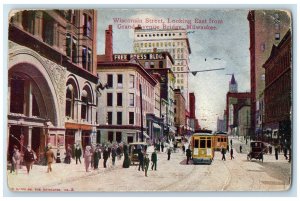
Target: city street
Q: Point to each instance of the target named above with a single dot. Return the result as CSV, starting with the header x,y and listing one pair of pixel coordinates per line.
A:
x,y
174,175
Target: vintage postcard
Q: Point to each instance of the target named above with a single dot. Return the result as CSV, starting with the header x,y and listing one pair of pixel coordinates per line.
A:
x,y
151,100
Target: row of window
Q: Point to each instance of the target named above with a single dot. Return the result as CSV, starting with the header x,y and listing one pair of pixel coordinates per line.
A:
x,y
109,118
109,99
73,17
162,44
159,35
110,81
151,64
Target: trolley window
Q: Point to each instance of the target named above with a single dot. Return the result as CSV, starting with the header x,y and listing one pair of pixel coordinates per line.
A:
x,y
196,145
202,143
208,143
221,139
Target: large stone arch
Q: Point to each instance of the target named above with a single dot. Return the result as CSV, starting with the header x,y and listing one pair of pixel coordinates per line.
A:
x,y
42,72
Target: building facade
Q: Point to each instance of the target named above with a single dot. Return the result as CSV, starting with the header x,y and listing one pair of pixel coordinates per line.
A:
x,y
51,78
175,42
267,27
180,118
278,90
244,121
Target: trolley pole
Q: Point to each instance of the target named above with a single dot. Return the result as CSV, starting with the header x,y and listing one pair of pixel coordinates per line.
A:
x,y
141,102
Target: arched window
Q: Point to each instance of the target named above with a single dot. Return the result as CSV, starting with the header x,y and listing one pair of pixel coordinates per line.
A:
x,y
70,101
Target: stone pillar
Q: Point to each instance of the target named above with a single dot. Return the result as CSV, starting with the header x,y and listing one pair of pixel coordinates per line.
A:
x,y
29,136
28,98
16,19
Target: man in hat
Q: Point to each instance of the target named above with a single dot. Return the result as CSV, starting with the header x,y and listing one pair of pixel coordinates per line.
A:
x,y
50,158
28,158
78,153
146,164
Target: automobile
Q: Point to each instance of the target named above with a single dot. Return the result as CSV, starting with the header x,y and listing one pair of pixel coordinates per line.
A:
x,y
134,149
257,150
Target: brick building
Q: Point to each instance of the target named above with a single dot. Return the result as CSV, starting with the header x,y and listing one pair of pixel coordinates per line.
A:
x,y
278,90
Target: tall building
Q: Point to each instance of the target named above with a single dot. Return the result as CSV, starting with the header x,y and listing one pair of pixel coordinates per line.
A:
x,y
51,79
175,42
278,91
267,27
180,118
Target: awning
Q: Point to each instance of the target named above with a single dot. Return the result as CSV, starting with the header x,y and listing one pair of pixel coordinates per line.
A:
x,y
145,134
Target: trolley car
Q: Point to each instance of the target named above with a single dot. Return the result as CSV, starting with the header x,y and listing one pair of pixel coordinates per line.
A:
x,y
220,140
202,147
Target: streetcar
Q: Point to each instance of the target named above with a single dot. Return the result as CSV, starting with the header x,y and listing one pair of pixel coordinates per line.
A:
x,y
202,147
220,140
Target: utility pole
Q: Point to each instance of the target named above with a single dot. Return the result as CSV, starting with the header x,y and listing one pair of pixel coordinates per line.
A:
x,y
141,102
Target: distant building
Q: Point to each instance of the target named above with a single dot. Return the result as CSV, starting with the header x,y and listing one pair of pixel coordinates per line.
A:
x,y
221,125
180,118
244,120
278,90
267,27
175,42
233,86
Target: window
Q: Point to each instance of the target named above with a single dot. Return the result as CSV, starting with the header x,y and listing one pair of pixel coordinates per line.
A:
x,y
48,30
84,108
110,136
68,45
196,143
87,26
151,64
119,118
131,81
110,80
147,64
109,99
109,118
131,99
131,118
277,26
89,60
277,36
202,143
208,145
69,103
74,50
118,137
119,99
84,57
120,81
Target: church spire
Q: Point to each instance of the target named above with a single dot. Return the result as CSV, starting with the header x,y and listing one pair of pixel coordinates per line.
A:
x,y
233,86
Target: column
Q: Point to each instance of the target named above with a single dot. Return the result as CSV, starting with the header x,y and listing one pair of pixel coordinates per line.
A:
x,y
29,136
38,24
28,98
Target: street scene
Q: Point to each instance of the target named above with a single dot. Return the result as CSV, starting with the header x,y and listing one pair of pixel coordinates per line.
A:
x,y
125,100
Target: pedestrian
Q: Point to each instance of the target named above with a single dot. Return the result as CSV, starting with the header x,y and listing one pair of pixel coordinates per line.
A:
x,y
119,152
285,152
96,157
50,158
12,168
188,155
276,152
146,161
241,148
113,156
28,158
154,160
92,154
16,158
270,149
183,148
231,142
228,147
141,159
78,153
87,157
231,153
223,151
68,154
169,153
105,156
162,147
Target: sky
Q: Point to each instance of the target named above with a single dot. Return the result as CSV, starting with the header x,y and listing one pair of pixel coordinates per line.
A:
x,y
228,41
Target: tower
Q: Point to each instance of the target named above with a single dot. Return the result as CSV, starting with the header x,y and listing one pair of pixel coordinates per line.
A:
x,y
233,86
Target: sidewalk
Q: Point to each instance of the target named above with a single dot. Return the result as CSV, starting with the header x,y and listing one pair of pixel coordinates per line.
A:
x,y
39,180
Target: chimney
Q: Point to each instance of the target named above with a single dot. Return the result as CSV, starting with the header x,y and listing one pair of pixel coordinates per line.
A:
x,y
109,44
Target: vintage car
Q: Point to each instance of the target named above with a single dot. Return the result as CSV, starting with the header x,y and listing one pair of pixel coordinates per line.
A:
x,y
257,149
134,149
